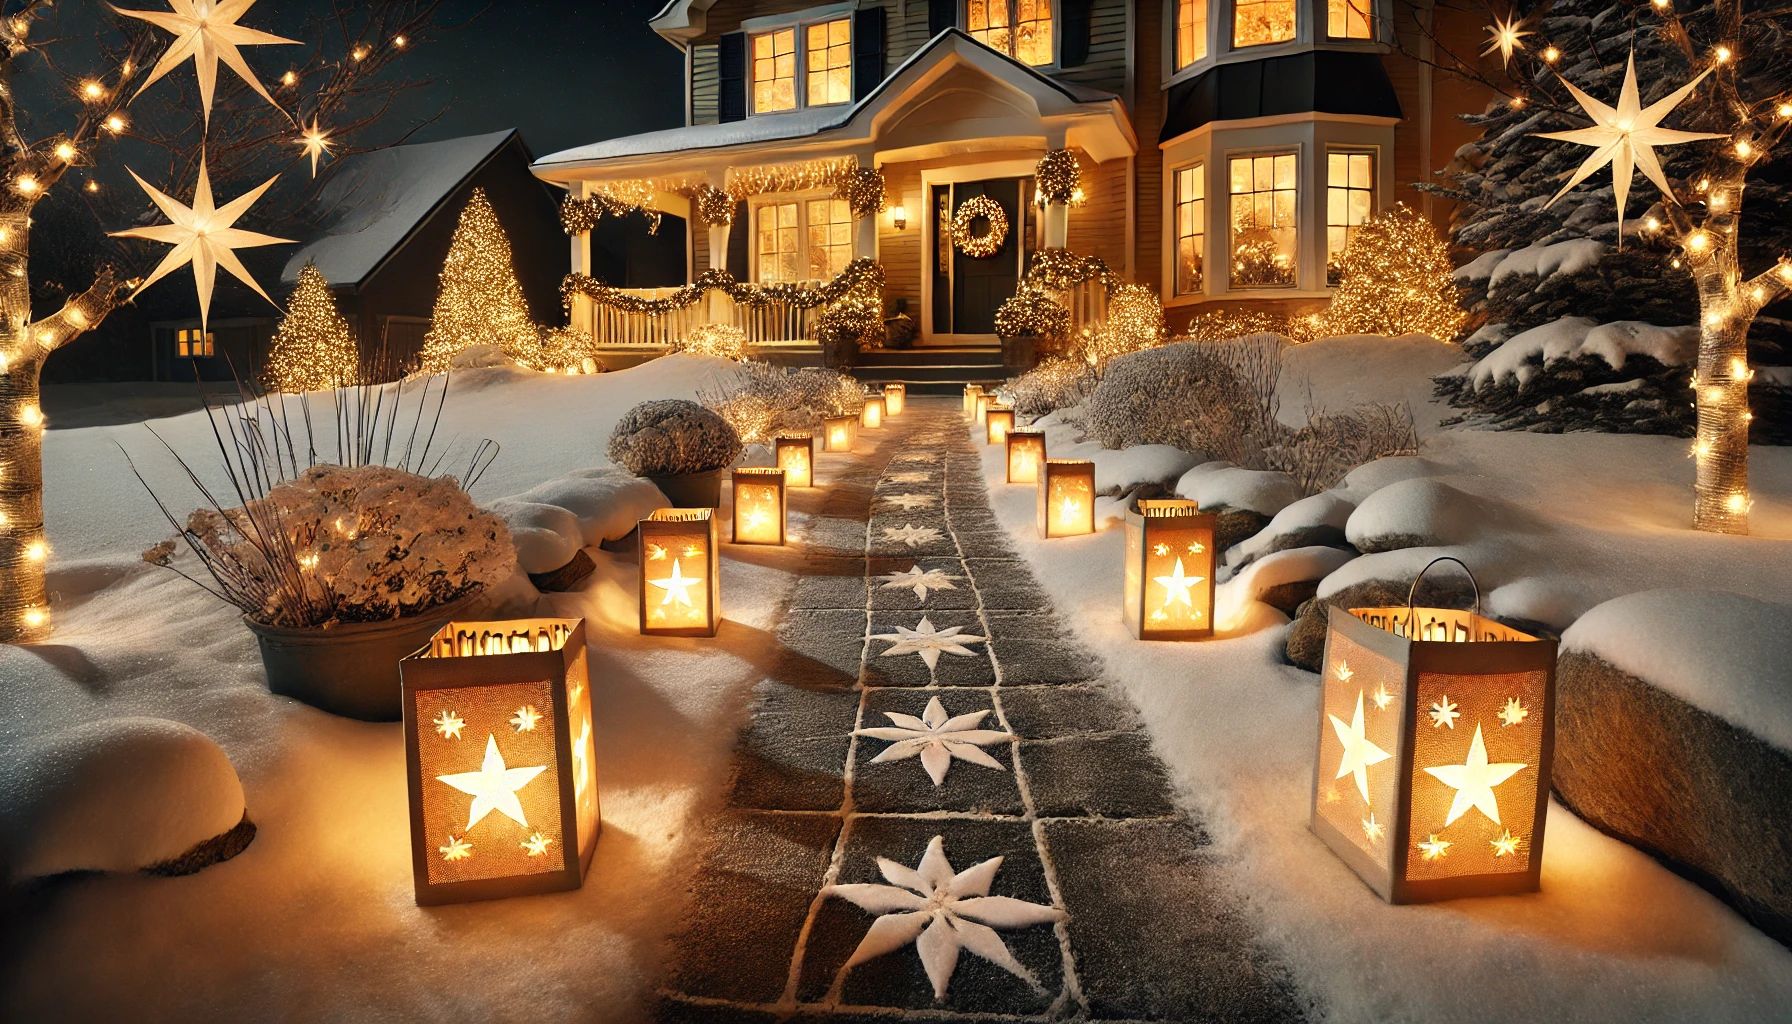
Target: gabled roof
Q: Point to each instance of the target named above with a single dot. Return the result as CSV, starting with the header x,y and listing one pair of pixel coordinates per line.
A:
x,y
377,200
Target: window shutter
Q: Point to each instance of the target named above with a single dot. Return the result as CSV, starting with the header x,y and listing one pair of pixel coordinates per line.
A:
x,y
731,103
738,236
867,51
941,15
1073,35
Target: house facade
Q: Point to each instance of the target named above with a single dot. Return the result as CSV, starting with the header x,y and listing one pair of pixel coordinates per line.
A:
x,y
1228,147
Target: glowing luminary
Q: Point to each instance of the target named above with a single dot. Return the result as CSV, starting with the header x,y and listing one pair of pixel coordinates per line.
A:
x,y
1026,453
1169,570
681,587
984,401
839,433
758,505
499,759
1436,734
872,416
1066,498
796,457
998,420
895,397
971,391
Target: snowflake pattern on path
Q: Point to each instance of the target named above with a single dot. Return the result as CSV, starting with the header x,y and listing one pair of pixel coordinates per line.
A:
x,y
910,502
912,535
913,477
928,642
941,913
922,580
937,738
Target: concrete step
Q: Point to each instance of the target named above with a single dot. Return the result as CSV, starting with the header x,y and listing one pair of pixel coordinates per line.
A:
x,y
978,356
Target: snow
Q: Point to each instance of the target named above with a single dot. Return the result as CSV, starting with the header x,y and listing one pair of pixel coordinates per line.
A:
x,y
1324,509
546,536
1573,336
1547,260
1294,565
1338,374
1481,267
607,502
1223,485
1722,653
1424,508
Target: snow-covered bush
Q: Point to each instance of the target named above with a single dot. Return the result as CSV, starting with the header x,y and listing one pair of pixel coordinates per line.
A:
x,y
724,341
1395,277
1319,454
1053,384
672,437
760,400
1181,395
1030,313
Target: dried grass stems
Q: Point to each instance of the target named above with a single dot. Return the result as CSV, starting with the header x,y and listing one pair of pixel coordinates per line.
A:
x,y
761,401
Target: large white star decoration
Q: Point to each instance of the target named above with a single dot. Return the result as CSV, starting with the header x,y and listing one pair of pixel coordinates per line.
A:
x,y
493,787
203,236
1624,137
910,502
928,642
316,143
677,586
1176,586
937,738
1504,37
1359,753
922,580
911,535
207,31
941,913
1473,780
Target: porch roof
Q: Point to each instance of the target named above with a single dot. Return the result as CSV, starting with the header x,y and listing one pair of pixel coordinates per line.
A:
x,y
1027,108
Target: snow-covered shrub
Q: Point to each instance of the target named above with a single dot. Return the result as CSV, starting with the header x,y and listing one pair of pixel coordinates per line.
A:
x,y
760,400
1332,444
1053,384
672,437
1181,395
724,341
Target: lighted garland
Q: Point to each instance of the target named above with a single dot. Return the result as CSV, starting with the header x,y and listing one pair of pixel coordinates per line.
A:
x,y
806,176
581,215
989,243
861,275
1060,269
714,206
1059,177
1031,314
863,190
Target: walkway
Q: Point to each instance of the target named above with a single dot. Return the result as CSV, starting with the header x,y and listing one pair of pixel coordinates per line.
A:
x,y
1102,905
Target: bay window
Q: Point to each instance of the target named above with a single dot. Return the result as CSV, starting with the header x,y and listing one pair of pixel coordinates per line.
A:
x,y
1349,19
1264,230
1259,22
1021,29
1349,201
1191,228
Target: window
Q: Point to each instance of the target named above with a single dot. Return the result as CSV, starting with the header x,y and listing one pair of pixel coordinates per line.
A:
x,y
777,248
193,344
1020,28
1256,22
774,71
1191,228
1349,19
1263,226
799,240
1191,32
1349,200
830,237
827,61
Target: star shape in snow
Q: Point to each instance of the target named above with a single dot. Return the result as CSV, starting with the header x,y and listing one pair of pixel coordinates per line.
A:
x,y
1625,137
536,845
457,849
449,725
1176,586
1444,713
937,738
525,718
1381,696
1506,845
910,502
909,478
912,535
1513,713
928,642
677,586
493,787
1434,847
1359,753
316,143
922,580
207,31
1504,36
941,913
202,235
1473,780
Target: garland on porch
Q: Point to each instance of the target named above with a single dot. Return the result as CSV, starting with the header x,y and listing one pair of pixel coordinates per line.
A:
x,y
864,191
1059,177
861,276
806,176
1061,269
989,243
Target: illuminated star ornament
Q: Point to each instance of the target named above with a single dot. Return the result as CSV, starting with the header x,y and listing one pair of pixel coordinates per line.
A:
x,y
677,586
525,718
1176,586
316,143
1504,37
1625,137
937,738
1359,753
1513,713
1473,780
928,642
493,787
207,31
1444,713
203,236
1434,847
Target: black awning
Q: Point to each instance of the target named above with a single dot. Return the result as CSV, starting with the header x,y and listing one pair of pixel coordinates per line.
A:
x,y
1325,81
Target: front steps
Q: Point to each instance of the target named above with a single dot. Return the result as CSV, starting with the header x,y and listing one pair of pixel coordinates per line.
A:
x,y
933,370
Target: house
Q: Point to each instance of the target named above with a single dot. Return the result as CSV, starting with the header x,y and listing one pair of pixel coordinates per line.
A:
x,y
1227,147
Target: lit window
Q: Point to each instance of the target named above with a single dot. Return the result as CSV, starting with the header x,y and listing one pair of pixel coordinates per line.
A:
x,y
828,62
774,71
830,237
1349,200
1348,19
778,241
193,344
1191,228
1020,28
1263,227
1256,22
1191,32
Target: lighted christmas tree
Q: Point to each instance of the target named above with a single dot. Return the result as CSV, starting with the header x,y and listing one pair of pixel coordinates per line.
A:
x,y
480,302
314,350
1397,279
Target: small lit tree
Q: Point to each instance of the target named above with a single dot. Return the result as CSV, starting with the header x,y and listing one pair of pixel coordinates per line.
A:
x,y
480,301
1397,279
313,349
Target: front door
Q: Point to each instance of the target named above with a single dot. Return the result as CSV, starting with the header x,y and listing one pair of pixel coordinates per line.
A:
x,y
967,290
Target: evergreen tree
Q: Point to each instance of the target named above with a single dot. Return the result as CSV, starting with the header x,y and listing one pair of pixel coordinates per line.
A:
x,y
480,302
313,350
1396,279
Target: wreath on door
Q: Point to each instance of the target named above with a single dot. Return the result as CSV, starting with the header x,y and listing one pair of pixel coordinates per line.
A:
x,y
988,243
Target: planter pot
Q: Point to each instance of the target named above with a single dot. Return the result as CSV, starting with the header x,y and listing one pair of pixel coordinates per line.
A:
x,y
349,670
692,490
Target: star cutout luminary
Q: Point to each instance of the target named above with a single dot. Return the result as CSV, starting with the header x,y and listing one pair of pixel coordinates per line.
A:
x,y
207,31
1176,586
494,786
937,738
1473,780
928,642
677,586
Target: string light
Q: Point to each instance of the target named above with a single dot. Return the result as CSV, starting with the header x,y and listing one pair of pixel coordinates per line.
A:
x,y
400,42
1723,54
1785,110
360,53
480,301
1698,241
26,184
1743,149
92,91
1551,55
115,123
65,152
37,551
1397,278
289,79
92,185
1652,224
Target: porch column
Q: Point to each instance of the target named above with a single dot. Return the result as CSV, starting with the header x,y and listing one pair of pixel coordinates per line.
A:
x,y
718,233
583,315
864,244
1056,215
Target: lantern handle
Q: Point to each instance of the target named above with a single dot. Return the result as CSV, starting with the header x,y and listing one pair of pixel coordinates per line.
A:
x,y
1412,592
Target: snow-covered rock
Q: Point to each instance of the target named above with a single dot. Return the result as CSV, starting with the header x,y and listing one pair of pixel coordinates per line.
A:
x,y
1413,513
1481,267
1283,580
1571,337
117,794
1221,484
1122,470
1315,520
546,536
607,501
1370,477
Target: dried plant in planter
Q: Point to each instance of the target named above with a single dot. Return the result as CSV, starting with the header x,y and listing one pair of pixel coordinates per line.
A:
x,y
761,401
1053,384
672,437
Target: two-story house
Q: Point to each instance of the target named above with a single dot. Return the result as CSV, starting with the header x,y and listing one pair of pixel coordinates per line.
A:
x,y
1228,147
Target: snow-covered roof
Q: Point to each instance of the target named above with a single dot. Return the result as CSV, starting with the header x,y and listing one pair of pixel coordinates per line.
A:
x,y
376,200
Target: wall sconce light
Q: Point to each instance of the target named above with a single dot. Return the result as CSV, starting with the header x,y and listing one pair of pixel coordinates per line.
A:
x,y
899,217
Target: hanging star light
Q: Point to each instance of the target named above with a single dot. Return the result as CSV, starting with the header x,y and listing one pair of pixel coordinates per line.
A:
x,y
315,142
208,32
203,236
1625,137
1504,36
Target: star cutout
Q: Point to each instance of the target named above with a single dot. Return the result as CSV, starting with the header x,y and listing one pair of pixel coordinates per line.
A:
x,y
525,718
457,849
1359,753
922,580
1624,137
1381,697
207,31
1513,713
937,738
493,787
1504,37
1176,586
449,725
1343,671
656,552
536,845
1373,829
911,535
941,913
1473,780
910,502
316,143
677,586
928,642
1506,845
1444,713
1434,847
203,236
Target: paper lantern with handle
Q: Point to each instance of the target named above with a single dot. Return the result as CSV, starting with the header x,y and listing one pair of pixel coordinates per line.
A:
x,y
872,416
1026,453
839,433
971,391
796,457
895,398
1169,570
997,422
681,584
758,505
1066,498
1436,734
499,758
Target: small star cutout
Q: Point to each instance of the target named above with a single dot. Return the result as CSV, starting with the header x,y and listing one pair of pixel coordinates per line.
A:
x,y
1506,845
1444,713
525,718
1381,697
921,580
1513,713
1434,847
1373,829
536,845
911,535
1161,549
449,725
457,849
1343,671
928,641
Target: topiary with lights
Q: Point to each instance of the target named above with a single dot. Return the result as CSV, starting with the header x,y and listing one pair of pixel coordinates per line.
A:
x,y
1397,279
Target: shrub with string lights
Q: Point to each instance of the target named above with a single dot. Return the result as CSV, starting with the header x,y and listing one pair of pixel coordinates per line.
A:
x,y
480,301
1397,279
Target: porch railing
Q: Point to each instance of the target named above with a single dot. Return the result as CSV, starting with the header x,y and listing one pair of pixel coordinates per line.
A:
x,y
1087,302
770,323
